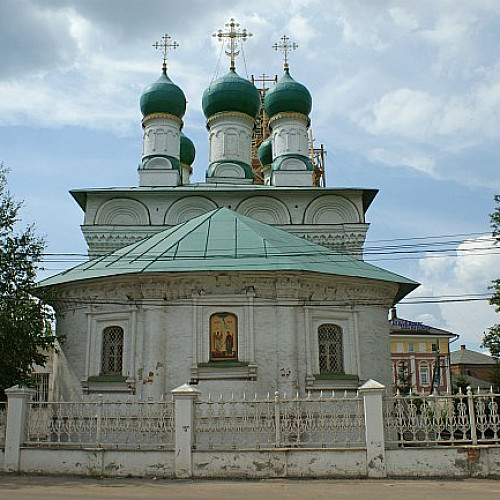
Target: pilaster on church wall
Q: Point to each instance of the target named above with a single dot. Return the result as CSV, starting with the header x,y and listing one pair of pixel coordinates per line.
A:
x,y
374,344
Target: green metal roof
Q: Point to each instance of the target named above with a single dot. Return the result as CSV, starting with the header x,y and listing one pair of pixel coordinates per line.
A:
x,y
223,240
187,150
163,96
231,92
288,96
265,152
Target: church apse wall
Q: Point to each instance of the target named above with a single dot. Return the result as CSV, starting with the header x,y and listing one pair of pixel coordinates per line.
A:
x,y
223,332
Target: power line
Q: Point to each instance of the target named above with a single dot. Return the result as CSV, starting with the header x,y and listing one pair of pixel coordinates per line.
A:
x,y
174,301
368,246
324,261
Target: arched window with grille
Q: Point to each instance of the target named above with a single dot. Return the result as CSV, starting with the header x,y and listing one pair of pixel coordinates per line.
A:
x,y
331,351
112,350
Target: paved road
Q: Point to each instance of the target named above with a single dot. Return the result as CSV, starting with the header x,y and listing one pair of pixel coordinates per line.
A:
x,y
55,488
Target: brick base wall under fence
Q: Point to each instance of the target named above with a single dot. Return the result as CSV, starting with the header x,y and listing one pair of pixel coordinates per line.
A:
x,y
452,462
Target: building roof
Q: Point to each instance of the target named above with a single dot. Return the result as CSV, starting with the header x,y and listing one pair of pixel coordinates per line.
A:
x,y
223,240
474,382
400,326
231,93
288,96
467,357
163,96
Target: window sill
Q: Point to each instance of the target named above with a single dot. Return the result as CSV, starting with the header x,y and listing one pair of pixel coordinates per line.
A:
x,y
332,381
223,370
108,384
108,378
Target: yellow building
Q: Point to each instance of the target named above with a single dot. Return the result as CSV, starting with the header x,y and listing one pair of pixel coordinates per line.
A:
x,y
420,356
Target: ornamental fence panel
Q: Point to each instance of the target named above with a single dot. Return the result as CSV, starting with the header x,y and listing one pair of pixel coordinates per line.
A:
x,y
320,421
3,422
442,419
103,424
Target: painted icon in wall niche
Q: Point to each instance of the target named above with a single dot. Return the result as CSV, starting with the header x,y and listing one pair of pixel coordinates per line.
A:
x,y
223,337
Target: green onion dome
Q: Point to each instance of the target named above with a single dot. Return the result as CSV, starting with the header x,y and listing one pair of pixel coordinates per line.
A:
x,y
231,92
187,152
163,96
265,152
288,96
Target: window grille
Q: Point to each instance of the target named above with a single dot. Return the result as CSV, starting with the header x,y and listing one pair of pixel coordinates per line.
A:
x,y
112,350
41,387
331,355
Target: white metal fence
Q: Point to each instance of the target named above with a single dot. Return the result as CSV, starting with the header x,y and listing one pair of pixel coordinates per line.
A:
x,y
322,420
443,419
134,424
3,422
314,421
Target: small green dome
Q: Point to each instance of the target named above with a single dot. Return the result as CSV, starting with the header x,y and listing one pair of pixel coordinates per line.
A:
x,y
187,152
288,96
163,96
265,152
231,93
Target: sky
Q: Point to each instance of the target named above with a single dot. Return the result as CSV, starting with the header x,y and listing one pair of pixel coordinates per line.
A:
x,y
406,100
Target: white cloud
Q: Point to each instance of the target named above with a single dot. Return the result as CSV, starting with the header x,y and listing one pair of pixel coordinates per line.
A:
x,y
418,161
469,272
300,28
404,112
360,34
403,18
422,116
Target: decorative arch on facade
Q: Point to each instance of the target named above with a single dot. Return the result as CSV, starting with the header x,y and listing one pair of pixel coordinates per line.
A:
x,y
265,209
330,348
122,212
112,350
229,170
292,164
158,163
187,208
332,209
223,337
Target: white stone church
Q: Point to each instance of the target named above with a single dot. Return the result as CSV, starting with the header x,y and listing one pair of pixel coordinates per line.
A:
x,y
252,281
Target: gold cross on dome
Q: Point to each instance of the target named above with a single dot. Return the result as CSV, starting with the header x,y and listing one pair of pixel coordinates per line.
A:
x,y
286,46
165,44
232,33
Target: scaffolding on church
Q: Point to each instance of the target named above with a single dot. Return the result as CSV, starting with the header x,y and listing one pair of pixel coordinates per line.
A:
x,y
261,132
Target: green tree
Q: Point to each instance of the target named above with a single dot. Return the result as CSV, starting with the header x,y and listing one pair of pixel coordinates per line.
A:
x,y
461,383
403,378
25,322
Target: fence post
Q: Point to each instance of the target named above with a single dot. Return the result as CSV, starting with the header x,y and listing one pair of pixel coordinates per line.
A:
x,y
277,419
98,417
184,399
472,415
372,392
17,413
